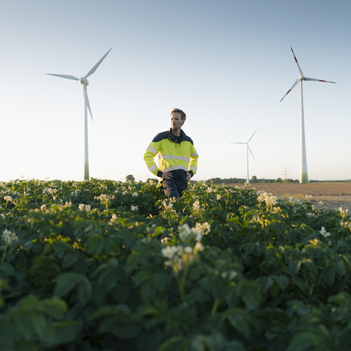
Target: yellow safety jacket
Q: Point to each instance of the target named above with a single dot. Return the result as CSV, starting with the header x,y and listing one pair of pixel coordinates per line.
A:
x,y
174,153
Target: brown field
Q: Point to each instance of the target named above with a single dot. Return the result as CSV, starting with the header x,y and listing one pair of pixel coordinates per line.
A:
x,y
333,195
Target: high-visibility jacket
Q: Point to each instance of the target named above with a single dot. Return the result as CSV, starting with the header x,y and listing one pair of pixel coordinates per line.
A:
x,y
174,153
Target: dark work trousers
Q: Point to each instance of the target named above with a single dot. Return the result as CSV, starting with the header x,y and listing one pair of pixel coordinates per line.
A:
x,y
175,186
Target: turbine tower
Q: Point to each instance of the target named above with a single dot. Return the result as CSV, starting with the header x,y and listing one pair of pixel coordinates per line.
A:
x,y
303,165
247,155
84,81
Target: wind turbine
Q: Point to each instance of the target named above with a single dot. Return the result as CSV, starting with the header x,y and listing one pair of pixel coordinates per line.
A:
x,y
84,81
247,155
303,165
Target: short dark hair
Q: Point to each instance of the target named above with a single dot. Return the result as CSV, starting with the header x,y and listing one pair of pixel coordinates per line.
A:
x,y
182,113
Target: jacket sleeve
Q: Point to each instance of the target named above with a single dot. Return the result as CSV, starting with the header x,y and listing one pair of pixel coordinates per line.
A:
x,y
193,159
149,155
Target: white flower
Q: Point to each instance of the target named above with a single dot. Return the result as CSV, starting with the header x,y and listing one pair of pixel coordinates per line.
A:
x,y
308,196
196,233
199,247
43,207
9,237
324,232
209,190
165,240
230,275
134,208
203,228
196,205
135,194
7,198
168,206
124,192
219,197
269,199
81,207
188,249
69,204
184,231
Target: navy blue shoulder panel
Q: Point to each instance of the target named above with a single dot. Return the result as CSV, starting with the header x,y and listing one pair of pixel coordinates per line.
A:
x,y
186,138
164,135
161,136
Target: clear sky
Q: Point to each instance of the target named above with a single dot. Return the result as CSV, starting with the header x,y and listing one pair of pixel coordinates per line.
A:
x,y
225,63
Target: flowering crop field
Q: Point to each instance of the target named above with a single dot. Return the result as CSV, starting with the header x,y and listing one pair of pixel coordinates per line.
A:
x,y
104,265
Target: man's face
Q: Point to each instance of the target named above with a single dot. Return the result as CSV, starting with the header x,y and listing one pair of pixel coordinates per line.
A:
x,y
176,121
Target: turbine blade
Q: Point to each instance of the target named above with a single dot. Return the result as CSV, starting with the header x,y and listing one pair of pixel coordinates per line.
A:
x,y
298,66
87,100
318,80
250,151
252,135
97,65
63,76
297,80
233,142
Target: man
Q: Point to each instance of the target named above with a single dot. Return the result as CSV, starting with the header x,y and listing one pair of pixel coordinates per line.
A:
x,y
177,157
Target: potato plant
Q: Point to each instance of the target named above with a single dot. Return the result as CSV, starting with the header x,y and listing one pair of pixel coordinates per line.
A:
x,y
104,265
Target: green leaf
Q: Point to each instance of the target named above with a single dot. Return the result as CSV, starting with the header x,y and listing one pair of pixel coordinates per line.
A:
x,y
340,267
110,311
28,245
329,275
126,332
282,281
300,283
95,244
311,265
66,331
294,266
66,282
4,285
55,307
303,341
70,259
23,345
238,320
7,269
148,341
60,246
266,283
148,292
167,345
343,299
274,290
249,292
84,291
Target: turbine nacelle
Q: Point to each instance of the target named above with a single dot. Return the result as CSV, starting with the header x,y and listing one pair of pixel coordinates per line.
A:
x,y
83,81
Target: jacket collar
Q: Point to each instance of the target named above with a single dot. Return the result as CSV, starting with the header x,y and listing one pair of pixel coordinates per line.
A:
x,y
175,139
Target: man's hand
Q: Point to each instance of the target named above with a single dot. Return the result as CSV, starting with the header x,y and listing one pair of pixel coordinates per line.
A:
x,y
188,176
167,175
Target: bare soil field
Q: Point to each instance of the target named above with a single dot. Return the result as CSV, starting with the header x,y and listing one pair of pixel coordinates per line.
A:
x,y
333,195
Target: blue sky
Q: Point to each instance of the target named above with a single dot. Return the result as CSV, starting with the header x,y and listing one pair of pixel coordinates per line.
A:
x,y
227,64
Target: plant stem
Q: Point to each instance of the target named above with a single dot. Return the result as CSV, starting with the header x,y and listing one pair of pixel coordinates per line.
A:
x,y
215,306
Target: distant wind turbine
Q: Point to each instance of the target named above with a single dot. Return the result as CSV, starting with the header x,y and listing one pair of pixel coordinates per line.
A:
x,y
303,166
247,155
84,81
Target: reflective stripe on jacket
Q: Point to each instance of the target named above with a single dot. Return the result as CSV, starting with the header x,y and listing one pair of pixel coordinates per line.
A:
x,y
173,153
